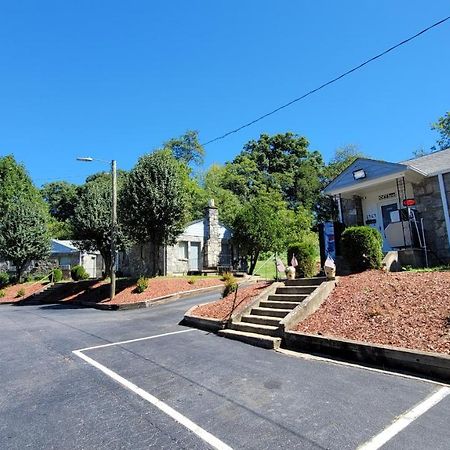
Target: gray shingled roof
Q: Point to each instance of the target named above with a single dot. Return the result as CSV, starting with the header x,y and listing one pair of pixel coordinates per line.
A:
x,y
431,164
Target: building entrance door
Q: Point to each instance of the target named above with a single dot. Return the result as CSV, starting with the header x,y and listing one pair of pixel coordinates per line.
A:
x,y
195,257
387,217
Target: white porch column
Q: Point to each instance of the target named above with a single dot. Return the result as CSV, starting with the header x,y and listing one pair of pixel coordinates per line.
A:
x,y
444,205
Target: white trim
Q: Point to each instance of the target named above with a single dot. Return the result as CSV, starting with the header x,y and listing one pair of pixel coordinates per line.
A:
x,y
444,205
405,419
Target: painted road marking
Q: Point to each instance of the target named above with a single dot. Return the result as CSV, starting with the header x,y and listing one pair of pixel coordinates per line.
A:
x,y
405,419
183,420
133,340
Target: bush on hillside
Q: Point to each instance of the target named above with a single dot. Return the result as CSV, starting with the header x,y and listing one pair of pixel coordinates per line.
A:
x,y
57,275
2,293
230,286
79,273
362,247
141,285
306,252
4,279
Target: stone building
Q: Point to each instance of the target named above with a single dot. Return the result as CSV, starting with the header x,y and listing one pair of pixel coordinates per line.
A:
x,y
408,202
204,245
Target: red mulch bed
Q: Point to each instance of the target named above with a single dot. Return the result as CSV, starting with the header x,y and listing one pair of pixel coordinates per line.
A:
x,y
98,291
221,309
11,291
409,310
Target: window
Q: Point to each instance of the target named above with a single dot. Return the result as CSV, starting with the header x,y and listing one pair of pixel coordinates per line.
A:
x,y
183,250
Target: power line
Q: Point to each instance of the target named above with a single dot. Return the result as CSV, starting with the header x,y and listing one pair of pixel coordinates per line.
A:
x,y
405,41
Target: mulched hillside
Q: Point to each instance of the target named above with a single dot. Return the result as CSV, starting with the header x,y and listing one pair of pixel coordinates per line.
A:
x,y
408,309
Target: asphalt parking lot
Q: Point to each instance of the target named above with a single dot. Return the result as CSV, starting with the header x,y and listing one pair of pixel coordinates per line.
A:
x,y
171,387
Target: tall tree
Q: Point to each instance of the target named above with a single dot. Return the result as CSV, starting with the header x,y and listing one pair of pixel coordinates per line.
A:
x,y
282,162
91,220
186,148
154,200
23,216
442,126
260,226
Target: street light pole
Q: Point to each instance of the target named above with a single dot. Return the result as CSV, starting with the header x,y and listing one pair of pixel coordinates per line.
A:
x,y
113,229
112,292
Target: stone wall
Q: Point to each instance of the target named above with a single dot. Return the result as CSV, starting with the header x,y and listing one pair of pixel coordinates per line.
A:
x,y
139,261
213,243
429,205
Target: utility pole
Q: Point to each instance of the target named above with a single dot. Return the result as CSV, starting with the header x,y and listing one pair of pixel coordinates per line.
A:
x,y
113,229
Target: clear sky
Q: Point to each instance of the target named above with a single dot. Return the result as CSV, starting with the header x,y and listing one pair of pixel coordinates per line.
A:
x,y
114,79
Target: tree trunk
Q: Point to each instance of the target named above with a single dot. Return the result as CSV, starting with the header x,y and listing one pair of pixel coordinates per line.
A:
x,y
253,261
107,260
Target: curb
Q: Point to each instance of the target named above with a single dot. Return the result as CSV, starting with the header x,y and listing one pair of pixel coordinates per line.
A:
x,y
429,365
149,303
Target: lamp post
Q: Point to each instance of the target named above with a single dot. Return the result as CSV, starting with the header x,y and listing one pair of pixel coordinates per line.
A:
x,y
113,163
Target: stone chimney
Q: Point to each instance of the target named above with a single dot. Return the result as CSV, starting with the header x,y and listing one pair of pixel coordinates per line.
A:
x,y
213,244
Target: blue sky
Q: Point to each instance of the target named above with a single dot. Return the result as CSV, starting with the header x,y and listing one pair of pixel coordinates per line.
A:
x,y
114,79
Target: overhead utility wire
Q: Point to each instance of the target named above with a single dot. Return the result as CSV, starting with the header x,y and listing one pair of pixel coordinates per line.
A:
x,y
328,82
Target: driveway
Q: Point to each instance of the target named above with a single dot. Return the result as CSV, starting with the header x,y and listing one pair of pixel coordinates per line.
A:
x,y
142,381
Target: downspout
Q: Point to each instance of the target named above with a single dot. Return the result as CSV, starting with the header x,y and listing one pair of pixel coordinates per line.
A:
x,y
339,203
444,205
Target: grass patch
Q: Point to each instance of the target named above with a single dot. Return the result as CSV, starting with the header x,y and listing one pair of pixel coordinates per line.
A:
x,y
445,268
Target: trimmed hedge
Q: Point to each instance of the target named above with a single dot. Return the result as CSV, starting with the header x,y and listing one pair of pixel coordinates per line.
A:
x,y
306,253
79,273
362,247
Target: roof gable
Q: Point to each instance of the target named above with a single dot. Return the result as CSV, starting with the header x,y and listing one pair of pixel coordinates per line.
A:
x,y
431,164
373,168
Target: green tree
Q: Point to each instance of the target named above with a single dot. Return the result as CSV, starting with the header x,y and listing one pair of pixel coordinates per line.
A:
x,y
23,234
15,184
154,200
91,220
260,226
283,163
186,148
442,126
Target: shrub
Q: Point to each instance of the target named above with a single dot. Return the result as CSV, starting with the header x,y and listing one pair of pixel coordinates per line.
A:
x,y
2,293
230,286
306,253
192,280
362,247
20,293
227,276
79,273
57,275
4,279
141,285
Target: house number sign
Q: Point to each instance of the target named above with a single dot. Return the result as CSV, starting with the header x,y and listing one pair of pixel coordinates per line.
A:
x,y
386,196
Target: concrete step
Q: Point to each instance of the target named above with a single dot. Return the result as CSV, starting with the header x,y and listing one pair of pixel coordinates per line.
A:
x,y
305,281
252,338
279,305
272,312
295,290
262,320
287,297
268,330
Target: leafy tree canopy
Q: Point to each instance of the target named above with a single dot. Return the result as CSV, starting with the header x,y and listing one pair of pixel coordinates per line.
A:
x,y
260,226
61,198
282,162
186,148
23,234
442,126
154,199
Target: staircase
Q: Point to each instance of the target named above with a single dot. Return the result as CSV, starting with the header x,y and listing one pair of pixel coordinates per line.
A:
x,y
36,298
261,327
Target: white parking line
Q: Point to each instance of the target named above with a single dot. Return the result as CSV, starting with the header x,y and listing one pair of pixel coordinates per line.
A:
x,y
133,340
183,420
405,419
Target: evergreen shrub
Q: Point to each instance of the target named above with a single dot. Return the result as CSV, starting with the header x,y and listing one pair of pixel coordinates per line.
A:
x,y
306,252
362,247
79,273
4,279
